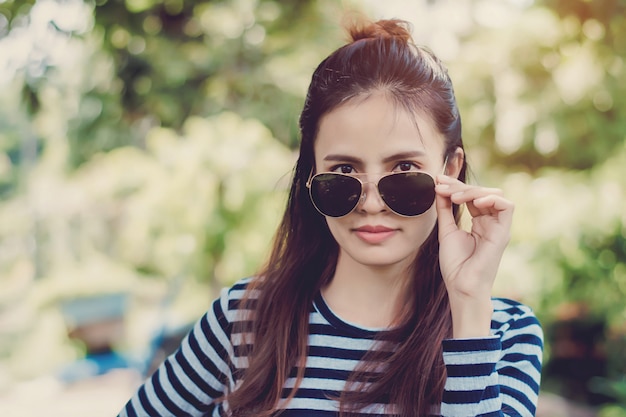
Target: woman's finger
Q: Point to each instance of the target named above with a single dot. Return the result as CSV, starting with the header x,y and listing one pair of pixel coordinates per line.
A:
x,y
445,217
479,200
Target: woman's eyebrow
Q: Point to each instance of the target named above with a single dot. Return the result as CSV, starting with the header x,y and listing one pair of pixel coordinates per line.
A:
x,y
404,155
394,157
342,158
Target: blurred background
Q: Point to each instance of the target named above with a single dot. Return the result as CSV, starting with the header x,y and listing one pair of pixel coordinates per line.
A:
x,y
146,146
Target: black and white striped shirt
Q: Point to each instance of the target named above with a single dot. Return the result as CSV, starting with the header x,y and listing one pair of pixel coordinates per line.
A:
x,y
493,376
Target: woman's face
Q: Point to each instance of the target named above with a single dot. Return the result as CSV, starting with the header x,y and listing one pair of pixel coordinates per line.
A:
x,y
375,136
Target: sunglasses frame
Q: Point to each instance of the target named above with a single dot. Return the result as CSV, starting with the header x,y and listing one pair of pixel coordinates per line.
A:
x,y
363,194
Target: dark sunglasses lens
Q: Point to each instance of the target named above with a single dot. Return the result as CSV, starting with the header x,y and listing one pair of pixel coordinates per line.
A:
x,y
408,193
335,195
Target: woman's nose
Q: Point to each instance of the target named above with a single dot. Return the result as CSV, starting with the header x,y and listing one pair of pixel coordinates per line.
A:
x,y
371,201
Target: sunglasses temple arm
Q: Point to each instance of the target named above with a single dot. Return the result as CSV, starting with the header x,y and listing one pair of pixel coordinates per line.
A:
x,y
308,181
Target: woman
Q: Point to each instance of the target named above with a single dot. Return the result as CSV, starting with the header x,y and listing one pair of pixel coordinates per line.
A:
x,y
373,301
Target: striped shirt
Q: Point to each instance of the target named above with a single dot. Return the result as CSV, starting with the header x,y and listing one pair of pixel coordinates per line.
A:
x,y
493,376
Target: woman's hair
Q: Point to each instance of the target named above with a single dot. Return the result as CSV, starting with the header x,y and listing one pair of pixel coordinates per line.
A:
x,y
380,57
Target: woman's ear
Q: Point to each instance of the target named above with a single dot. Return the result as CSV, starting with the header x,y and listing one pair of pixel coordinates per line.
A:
x,y
454,163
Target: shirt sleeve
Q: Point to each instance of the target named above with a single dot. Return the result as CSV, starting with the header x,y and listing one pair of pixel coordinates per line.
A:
x,y
498,375
192,378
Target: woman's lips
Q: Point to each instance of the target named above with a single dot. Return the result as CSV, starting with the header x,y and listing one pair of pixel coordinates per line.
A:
x,y
374,234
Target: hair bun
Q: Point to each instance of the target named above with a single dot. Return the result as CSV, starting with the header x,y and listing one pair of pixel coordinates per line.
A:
x,y
393,28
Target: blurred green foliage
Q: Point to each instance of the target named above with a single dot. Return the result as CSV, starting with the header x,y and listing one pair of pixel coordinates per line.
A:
x,y
142,141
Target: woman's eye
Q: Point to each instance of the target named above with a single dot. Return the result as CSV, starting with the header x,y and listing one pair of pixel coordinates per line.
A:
x,y
406,166
343,169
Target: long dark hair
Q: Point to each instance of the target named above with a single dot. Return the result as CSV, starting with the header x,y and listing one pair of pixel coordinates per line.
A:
x,y
380,57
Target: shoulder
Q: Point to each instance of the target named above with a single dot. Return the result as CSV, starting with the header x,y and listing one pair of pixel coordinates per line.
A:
x,y
225,310
230,298
512,319
237,290
235,302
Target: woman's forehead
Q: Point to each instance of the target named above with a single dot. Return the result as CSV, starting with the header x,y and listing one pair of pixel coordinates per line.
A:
x,y
376,123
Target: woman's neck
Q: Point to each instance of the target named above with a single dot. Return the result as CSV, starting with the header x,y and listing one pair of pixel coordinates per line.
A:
x,y
368,296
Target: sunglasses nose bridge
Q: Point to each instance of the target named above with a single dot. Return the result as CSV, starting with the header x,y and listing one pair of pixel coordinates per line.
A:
x,y
369,191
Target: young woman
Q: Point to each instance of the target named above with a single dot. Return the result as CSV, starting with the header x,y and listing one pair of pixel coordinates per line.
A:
x,y
373,301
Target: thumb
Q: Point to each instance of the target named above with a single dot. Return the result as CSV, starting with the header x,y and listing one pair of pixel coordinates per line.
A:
x,y
445,216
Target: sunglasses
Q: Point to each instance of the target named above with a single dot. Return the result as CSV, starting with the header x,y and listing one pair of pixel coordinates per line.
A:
x,y
407,193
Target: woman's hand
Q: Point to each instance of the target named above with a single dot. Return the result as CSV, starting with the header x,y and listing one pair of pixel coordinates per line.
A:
x,y
469,260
